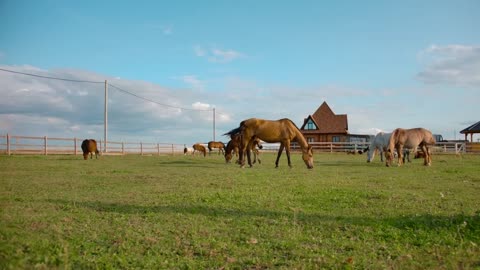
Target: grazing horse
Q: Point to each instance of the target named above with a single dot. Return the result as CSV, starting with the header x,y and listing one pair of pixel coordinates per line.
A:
x,y
283,131
89,147
409,138
379,143
234,144
199,147
219,145
187,150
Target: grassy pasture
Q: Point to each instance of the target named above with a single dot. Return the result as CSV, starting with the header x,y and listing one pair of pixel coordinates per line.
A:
x,y
185,212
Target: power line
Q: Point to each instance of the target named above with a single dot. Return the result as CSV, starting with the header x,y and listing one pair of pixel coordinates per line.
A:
x,y
48,77
118,88
161,104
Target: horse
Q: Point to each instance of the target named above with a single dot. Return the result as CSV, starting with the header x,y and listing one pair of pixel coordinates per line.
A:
x,y
89,146
379,143
219,145
187,150
283,131
409,138
234,144
199,147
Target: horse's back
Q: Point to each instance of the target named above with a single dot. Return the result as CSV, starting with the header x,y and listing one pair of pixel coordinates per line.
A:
x,y
269,130
89,145
413,137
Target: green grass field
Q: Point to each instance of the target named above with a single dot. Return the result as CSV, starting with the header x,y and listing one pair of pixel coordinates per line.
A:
x,y
186,212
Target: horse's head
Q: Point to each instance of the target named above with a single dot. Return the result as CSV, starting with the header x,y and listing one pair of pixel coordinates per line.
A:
x,y
389,157
228,157
307,156
370,153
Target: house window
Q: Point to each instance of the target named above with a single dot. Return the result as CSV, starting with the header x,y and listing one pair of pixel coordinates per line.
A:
x,y
310,125
336,139
310,140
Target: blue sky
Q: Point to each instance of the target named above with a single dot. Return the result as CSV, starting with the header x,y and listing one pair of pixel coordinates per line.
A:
x,y
386,64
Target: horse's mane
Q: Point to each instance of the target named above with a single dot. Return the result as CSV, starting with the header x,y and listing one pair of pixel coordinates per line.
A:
x,y
290,122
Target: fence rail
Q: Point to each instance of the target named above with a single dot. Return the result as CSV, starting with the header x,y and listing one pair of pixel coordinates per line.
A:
x,y
13,144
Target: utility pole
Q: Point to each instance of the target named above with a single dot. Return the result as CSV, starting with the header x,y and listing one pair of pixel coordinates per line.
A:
x,y
214,124
105,119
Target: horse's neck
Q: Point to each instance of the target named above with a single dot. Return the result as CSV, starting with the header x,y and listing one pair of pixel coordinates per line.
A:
x,y
300,139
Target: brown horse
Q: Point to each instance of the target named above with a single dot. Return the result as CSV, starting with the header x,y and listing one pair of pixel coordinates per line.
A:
x,y
409,138
283,131
234,144
219,145
89,147
199,147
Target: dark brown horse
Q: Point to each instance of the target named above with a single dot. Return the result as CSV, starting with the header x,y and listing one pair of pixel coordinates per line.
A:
x,y
219,145
233,146
283,131
199,147
409,138
89,147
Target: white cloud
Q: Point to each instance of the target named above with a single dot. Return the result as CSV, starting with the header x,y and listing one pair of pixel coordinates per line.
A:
x,y
224,56
216,55
193,82
199,51
451,65
200,106
37,106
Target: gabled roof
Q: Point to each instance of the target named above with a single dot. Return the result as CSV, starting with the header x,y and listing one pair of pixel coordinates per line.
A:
x,y
475,128
327,121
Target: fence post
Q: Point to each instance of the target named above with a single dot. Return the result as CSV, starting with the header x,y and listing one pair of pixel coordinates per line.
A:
x,y
173,151
75,145
141,149
123,148
8,144
331,147
45,151
158,149
100,143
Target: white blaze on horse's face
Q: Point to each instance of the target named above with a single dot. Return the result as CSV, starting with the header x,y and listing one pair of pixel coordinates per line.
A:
x,y
388,157
308,157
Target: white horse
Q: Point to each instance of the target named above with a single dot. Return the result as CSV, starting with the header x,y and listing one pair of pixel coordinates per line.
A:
x,y
380,143
187,150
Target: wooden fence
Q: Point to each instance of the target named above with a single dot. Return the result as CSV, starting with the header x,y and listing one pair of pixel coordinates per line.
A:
x,y
72,146
10,144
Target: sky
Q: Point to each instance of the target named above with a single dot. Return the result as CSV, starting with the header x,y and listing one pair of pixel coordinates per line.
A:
x,y
168,64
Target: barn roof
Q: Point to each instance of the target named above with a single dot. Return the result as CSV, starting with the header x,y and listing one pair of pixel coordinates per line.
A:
x,y
475,128
329,122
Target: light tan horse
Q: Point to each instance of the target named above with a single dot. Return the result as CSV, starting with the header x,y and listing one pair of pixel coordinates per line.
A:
x,y
409,138
219,145
283,131
233,146
199,147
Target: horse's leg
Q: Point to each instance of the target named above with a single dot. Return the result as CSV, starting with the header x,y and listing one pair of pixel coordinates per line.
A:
x,y
287,149
400,155
280,150
241,152
258,157
426,158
